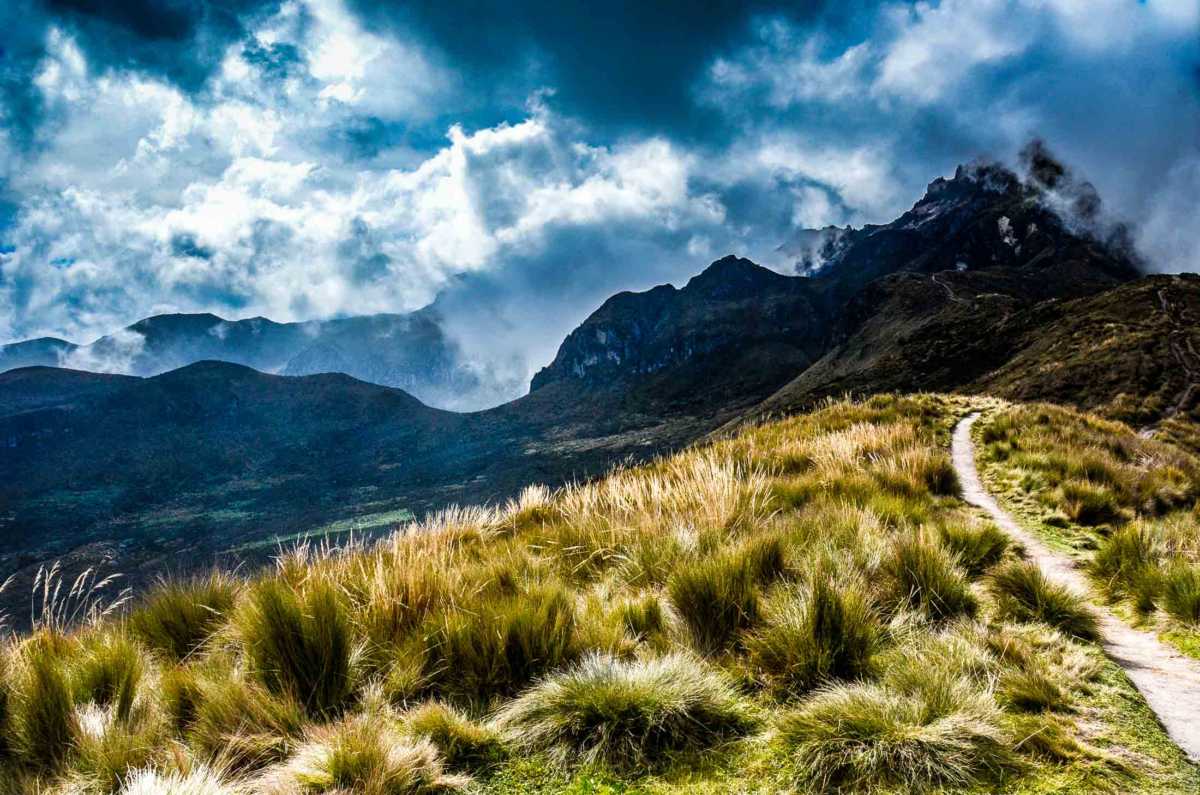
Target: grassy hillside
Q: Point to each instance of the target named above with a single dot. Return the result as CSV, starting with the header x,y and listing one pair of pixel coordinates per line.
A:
x,y
1124,505
806,606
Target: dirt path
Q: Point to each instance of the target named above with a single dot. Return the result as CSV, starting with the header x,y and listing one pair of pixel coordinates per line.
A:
x,y
1169,681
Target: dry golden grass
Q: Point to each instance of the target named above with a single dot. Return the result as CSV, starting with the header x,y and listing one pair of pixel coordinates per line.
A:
x,y
795,569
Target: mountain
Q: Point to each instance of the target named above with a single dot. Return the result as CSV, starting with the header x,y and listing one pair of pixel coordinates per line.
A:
x,y
409,351
984,285
731,335
44,351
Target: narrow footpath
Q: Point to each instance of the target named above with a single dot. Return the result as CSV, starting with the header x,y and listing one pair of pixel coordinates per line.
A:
x,y
1169,681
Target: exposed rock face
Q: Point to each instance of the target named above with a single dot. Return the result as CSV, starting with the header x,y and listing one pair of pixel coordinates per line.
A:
x,y
984,228
732,303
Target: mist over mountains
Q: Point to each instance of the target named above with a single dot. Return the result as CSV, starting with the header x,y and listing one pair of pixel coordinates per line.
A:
x,y
985,284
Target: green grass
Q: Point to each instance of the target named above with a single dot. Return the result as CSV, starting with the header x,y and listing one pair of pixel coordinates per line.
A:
x,y
298,642
176,617
923,575
629,715
803,605
1023,593
818,631
1124,505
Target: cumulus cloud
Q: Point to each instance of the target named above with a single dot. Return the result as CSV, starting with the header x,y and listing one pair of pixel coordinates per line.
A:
x,y
310,158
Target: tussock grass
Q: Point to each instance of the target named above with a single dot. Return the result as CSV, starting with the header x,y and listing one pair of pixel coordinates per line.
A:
x,y
627,714
817,631
1181,592
239,723
978,546
863,737
923,575
107,672
629,632
465,745
176,617
41,724
477,657
1024,594
199,780
365,754
299,642
717,598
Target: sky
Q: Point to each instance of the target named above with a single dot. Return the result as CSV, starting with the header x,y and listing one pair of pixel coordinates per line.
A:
x,y
519,162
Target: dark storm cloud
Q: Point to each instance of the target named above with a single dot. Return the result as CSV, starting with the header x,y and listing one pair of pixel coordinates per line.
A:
x,y
625,66
181,40
307,158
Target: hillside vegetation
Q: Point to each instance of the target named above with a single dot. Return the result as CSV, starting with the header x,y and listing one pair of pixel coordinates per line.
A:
x,y
1126,505
805,606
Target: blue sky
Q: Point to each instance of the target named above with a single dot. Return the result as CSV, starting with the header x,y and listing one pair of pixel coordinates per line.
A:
x,y
310,158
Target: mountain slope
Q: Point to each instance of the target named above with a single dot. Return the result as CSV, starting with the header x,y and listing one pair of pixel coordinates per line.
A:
x,y
409,351
215,457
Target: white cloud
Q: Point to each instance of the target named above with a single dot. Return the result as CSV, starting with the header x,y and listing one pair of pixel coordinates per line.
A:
x,y
1169,235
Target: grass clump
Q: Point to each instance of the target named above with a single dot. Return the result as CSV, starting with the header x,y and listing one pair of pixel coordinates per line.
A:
x,y
176,617
1023,593
465,744
299,641
1181,593
240,723
814,632
42,727
627,714
364,754
477,657
923,575
978,547
867,736
108,673
718,597
197,780
1088,503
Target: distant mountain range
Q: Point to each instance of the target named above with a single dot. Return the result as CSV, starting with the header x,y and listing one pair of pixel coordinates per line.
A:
x,y
408,351
987,284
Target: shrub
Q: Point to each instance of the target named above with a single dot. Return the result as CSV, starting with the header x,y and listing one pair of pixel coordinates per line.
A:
x,y
864,737
717,598
627,714
108,673
463,743
176,617
366,755
1024,594
978,547
298,639
813,633
1181,592
42,726
478,656
921,574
